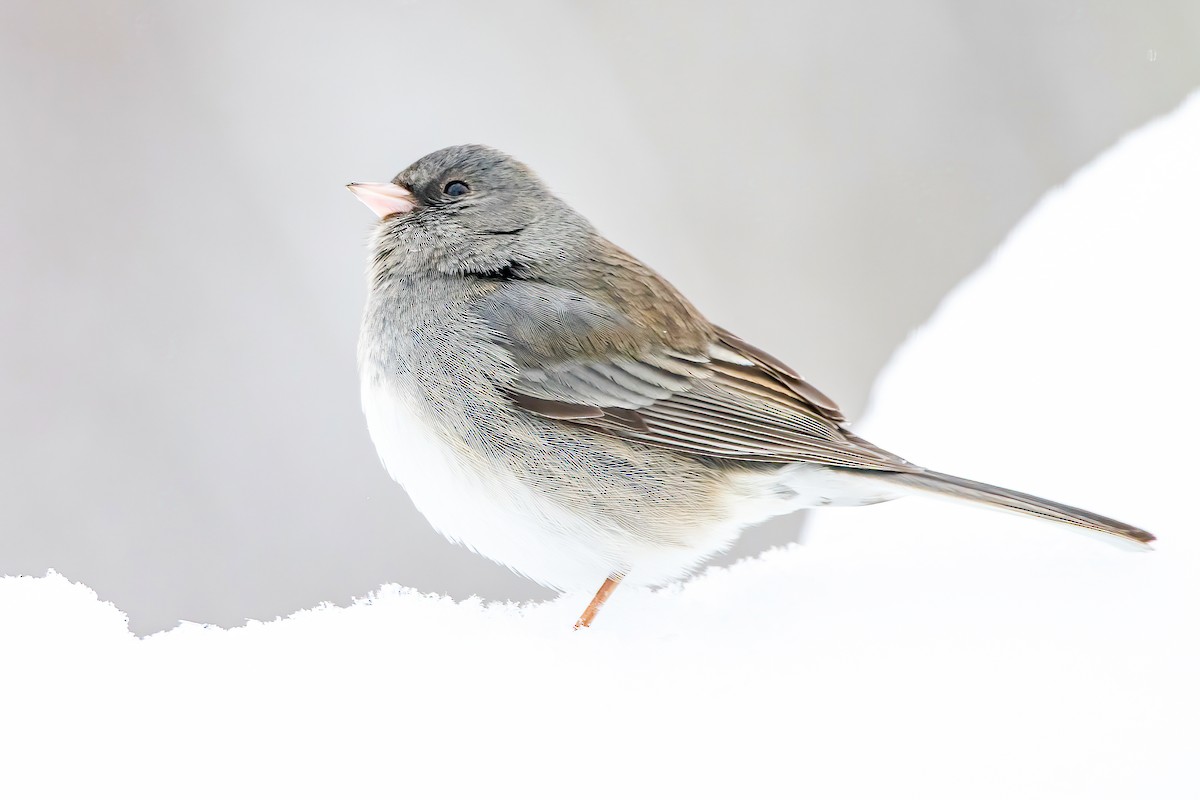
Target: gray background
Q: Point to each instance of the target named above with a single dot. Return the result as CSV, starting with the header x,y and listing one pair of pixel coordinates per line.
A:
x,y
182,269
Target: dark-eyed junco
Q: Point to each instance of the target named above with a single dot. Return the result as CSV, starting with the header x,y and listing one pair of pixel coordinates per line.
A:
x,y
555,405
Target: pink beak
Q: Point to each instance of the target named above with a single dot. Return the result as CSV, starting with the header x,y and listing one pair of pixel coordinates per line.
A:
x,y
384,199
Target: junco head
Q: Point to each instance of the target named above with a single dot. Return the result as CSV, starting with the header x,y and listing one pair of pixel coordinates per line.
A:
x,y
471,210
554,404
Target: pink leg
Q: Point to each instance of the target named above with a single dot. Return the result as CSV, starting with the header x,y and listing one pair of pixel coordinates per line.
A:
x,y
606,588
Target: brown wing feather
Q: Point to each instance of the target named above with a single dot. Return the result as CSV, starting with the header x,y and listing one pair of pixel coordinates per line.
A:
x,y
583,361
719,410
772,366
555,409
714,420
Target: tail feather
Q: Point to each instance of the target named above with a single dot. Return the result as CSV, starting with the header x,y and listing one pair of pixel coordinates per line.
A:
x,y
953,487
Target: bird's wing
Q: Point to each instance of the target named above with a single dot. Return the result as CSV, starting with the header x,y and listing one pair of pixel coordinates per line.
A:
x,y
583,362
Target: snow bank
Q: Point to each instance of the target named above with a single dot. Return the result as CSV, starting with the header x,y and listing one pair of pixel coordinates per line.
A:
x,y
913,649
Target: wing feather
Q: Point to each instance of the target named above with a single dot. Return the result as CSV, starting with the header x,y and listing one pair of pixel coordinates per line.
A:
x,y
585,364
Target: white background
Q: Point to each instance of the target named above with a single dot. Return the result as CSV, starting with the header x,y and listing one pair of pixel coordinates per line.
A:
x,y
181,269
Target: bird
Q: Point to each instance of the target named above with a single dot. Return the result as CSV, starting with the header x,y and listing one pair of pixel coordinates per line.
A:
x,y
554,404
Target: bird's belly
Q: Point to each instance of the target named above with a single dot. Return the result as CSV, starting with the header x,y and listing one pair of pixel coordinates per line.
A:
x,y
484,506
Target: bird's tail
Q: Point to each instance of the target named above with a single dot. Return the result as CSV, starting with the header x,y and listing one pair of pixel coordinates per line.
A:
x,y
955,488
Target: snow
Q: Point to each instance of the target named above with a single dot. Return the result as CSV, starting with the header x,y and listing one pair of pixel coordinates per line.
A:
x,y
911,649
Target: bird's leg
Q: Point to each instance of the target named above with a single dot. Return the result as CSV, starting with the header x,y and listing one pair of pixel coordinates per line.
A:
x,y
606,589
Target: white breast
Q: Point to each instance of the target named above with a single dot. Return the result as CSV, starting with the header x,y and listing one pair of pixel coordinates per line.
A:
x,y
489,512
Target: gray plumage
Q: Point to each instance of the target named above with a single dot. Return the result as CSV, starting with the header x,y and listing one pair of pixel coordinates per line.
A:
x,y
556,405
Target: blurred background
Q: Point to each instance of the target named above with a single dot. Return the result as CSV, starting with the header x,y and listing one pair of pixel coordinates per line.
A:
x,y
181,271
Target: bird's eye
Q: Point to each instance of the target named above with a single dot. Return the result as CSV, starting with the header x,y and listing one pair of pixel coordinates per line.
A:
x,y
456,189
